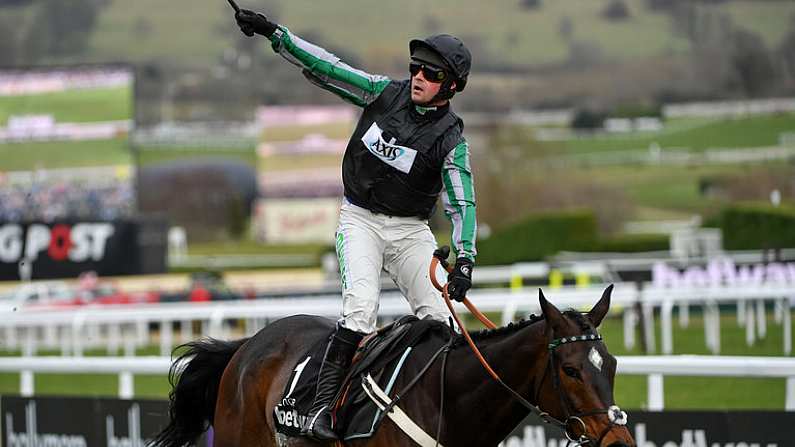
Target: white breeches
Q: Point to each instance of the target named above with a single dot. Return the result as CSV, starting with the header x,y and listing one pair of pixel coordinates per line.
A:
x,y
403,246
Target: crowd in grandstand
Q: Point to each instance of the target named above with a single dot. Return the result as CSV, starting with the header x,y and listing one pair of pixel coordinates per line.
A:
x,y
47,80
51,200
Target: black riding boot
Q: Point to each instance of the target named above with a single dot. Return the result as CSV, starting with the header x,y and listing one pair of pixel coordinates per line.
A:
x,y
339,353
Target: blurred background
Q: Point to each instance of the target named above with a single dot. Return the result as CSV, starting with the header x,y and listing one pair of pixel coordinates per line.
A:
x,y
152,156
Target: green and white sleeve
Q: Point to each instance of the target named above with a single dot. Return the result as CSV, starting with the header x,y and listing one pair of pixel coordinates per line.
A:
x,y
327,70
459,200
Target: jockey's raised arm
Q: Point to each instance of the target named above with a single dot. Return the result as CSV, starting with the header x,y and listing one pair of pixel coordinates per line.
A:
x,y
327,71
408,147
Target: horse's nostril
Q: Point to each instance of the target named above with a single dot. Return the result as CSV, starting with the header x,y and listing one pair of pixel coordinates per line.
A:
x,y
618,444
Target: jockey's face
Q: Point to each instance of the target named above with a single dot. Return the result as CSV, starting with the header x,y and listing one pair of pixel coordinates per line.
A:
x,y
424,90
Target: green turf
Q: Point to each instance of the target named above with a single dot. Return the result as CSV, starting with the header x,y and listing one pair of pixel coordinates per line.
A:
x,y
696,134
106,385
72,106
677,188
704,392
654,192
146,386
700,393
153,156
690,340
660,186
62,154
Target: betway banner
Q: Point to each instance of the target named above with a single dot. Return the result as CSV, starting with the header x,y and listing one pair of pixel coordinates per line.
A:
x,y
81,422
679,429
720,272
66,249
716,272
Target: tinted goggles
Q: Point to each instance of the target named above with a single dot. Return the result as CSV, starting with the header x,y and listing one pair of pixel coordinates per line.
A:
x,y
429,72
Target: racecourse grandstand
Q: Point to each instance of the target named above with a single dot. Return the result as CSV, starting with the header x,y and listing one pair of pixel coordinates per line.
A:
x,y
50,200
63,143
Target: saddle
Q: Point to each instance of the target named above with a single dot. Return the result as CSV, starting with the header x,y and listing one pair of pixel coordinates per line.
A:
x,y
380,356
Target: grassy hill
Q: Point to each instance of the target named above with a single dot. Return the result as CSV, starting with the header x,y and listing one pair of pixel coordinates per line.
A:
x,y
695,134
545,175
195,32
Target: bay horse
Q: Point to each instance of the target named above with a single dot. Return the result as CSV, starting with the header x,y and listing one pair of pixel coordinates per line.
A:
x,y
557,362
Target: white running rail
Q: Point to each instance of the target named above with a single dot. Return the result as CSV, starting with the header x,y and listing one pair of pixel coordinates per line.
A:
x,y
126,327
655,367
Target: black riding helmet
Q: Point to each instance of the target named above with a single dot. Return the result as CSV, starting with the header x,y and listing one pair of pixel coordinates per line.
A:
x,y
456,55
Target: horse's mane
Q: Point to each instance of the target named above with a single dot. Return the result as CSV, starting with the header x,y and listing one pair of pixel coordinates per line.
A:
x,y
484,334
577,317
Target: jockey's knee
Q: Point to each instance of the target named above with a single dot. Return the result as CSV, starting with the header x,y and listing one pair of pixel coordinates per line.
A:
x,y
358,323
433,314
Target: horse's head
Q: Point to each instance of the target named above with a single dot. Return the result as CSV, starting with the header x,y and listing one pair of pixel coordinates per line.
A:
x,y
578,385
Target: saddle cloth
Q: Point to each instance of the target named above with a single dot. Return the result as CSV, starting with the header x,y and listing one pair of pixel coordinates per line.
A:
x,y
382,356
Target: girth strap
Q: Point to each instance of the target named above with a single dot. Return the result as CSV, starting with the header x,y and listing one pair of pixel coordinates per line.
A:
x,y
398,416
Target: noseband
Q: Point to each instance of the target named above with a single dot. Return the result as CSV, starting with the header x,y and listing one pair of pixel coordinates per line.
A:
x,y
573,425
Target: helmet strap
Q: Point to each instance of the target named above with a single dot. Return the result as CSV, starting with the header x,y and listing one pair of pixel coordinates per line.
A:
x,y
446,90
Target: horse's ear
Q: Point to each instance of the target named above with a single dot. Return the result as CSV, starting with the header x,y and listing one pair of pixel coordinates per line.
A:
x,y
551,313
600,309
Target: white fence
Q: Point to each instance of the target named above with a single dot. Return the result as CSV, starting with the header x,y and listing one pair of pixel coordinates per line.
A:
x,y
655,367
673,157
128,327
715,109
125,367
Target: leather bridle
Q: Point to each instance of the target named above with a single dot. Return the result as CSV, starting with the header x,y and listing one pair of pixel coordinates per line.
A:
x,y
573,426
576,430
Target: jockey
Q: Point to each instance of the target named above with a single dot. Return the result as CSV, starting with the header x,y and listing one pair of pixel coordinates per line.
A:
x,y
407,148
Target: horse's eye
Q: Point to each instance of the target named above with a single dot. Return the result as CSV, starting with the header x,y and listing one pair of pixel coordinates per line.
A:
x,y
571,372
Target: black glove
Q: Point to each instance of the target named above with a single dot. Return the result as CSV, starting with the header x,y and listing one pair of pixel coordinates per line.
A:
x,y
251,22
442,253
460,279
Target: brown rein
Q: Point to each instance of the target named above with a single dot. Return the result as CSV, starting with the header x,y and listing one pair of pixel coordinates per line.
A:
x,y
546,417
541,413
474,310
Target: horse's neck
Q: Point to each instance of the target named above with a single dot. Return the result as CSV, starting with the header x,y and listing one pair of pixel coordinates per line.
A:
x,y
519,358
